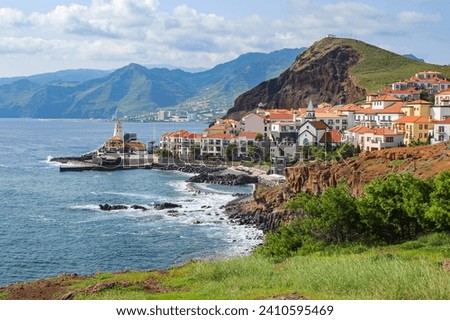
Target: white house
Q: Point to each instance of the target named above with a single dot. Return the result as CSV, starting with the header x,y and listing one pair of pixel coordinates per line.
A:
x,y
441,131
215,145
370,139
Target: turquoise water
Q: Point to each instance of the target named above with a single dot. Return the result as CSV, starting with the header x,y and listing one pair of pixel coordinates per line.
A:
x,y
51,224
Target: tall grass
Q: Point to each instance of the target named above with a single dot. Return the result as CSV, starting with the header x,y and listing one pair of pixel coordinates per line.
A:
x,y
412,270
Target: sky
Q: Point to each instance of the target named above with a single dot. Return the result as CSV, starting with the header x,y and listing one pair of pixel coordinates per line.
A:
x,y
52,35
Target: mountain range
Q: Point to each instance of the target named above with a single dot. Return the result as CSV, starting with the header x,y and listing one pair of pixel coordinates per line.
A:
x,y
134,89
332,70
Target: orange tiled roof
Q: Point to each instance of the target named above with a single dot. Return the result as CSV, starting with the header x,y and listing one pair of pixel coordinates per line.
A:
x,y
332,136
405,91
412,119
248,134
395,108
359,129
445,92
280,115
419,102
220,136
387,98
446,121
182,134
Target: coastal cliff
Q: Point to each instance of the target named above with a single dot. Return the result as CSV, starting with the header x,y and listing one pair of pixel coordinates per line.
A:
x,y
267,208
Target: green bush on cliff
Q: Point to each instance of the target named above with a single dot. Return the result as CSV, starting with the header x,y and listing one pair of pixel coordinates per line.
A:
x,y
391,210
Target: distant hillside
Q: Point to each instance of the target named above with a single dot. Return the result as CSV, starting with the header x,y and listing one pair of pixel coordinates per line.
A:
x,y
134,88
332,70
70,76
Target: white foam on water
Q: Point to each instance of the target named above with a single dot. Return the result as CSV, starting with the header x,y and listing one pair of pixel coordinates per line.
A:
x,y
131,195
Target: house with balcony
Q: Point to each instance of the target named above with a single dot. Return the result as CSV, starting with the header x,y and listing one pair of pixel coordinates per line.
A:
x,y
441,108
414,128
370,139
180,143
441,131
215,145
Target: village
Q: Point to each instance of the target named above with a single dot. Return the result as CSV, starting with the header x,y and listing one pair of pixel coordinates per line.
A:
x,y
394,117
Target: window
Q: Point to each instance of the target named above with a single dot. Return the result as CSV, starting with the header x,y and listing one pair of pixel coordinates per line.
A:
x,y
389,139
420,136
441,128
420,127
337,120
425,135
426,126
337,127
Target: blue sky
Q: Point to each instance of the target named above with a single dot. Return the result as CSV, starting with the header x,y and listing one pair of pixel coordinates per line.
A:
x,y
52,35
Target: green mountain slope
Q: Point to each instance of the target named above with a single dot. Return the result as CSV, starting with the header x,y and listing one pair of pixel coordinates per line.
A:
x,y
332,70
134,88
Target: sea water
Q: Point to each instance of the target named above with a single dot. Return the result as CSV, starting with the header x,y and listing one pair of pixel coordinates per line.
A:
x,y
51,223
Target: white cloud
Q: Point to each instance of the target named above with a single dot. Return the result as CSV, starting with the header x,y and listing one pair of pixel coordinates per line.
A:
x,y
411,17
140,31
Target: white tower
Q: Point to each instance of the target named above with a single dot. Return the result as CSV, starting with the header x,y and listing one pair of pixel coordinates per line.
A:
x,y
118,131
310,113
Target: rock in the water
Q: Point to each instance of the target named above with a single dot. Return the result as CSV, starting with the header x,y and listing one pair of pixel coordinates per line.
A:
x,y
138,207
166,205
108,207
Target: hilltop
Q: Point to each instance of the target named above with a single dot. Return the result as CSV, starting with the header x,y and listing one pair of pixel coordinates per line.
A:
x,y
332,70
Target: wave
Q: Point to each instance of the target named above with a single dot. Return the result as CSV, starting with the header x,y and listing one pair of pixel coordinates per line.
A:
x,y
131,195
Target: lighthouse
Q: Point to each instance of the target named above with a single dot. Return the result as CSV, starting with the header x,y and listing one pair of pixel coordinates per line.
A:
x,y
118,131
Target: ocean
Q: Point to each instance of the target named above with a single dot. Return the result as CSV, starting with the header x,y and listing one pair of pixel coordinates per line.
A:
x,y
50,221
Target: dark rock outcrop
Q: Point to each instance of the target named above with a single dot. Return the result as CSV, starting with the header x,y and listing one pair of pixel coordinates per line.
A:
x,y
166,205
321,73
226,179
109,207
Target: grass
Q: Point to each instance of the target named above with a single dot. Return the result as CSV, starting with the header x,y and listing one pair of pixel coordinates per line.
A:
x,y
379,67
398,162
412,270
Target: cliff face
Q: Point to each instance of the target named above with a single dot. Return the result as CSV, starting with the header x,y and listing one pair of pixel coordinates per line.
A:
x,y
267,208
423,162
321,73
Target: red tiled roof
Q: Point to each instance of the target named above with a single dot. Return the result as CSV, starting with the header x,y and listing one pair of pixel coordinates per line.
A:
x,y
278,116
248,134
395,108
220,136
387,98
446,121
319,124
445,92
412,119
331,136
419,102
183,134
359,129
375,131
